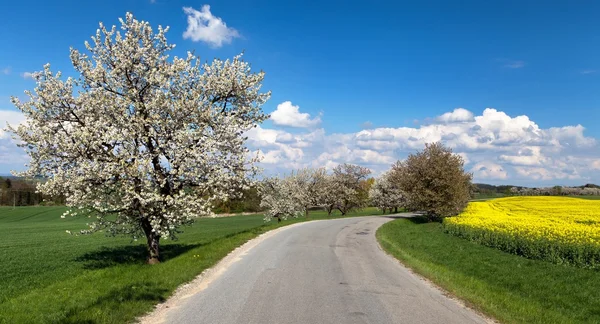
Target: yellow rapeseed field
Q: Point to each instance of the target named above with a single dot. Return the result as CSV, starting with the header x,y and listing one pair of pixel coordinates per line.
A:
x,y
557,229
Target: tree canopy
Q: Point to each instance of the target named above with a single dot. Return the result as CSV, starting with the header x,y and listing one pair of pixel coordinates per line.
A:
x,y
434,181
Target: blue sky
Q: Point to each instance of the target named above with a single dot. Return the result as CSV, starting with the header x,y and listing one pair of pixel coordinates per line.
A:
x,y
374,78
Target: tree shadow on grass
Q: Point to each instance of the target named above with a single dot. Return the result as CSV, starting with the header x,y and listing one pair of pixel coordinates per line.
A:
x,y
133,292
137,254
417,217
131,254
422,219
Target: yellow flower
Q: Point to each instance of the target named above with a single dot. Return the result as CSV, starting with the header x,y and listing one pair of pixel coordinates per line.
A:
x,y
558,229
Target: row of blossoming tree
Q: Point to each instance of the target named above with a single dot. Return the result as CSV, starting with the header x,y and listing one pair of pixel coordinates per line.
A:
x,y
432,181
292,195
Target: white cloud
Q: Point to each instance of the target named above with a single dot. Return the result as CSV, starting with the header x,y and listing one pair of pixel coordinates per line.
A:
x,y
527,156
9,117
494,145
287,114
458,115
588,71
487,170
571,136
27,75
204,27
464,156
6,70
10,153
538,173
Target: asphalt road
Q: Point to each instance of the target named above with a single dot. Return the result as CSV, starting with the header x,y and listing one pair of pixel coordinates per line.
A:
x,y
329,271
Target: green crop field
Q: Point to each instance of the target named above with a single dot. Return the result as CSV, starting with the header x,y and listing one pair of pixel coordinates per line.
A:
x,y
49,276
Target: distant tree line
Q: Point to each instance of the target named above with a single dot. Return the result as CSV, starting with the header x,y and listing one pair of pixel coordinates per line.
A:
x,y
20,192
586,190
481,190
249,202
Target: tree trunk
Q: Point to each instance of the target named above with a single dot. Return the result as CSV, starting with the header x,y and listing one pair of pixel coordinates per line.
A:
x,y
153,242
342,211
329,210
306,213
395,210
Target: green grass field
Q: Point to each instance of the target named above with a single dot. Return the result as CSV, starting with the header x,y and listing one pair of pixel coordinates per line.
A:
x,y
49,276
588,197
507,287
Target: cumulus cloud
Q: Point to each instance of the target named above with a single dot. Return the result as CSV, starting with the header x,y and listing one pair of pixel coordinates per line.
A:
x,y
458,115
527,156
494,145
489,171
10,153
204,27
9,117
288,114
545,174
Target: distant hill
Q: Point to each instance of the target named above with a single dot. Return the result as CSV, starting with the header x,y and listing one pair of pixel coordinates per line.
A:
x,y
590,185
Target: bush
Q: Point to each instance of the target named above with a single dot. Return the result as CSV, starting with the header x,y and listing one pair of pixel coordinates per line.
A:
x,y
434,181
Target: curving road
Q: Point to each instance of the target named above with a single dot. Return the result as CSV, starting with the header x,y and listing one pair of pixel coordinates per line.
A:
x,y
329,271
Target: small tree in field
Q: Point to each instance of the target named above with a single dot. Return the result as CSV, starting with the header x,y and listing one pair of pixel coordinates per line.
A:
x,y
150,140
350,187
294,194
386,195
434,181
330,196
280,198
311,186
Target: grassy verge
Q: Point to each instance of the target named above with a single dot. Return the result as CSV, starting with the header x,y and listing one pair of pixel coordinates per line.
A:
x,y
49,276
507,287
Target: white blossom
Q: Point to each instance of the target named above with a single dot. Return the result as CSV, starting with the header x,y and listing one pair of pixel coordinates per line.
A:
x,y
385,194
301,190
279,198
347,188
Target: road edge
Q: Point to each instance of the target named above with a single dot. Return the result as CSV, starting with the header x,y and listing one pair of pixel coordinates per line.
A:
x,y
427,281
